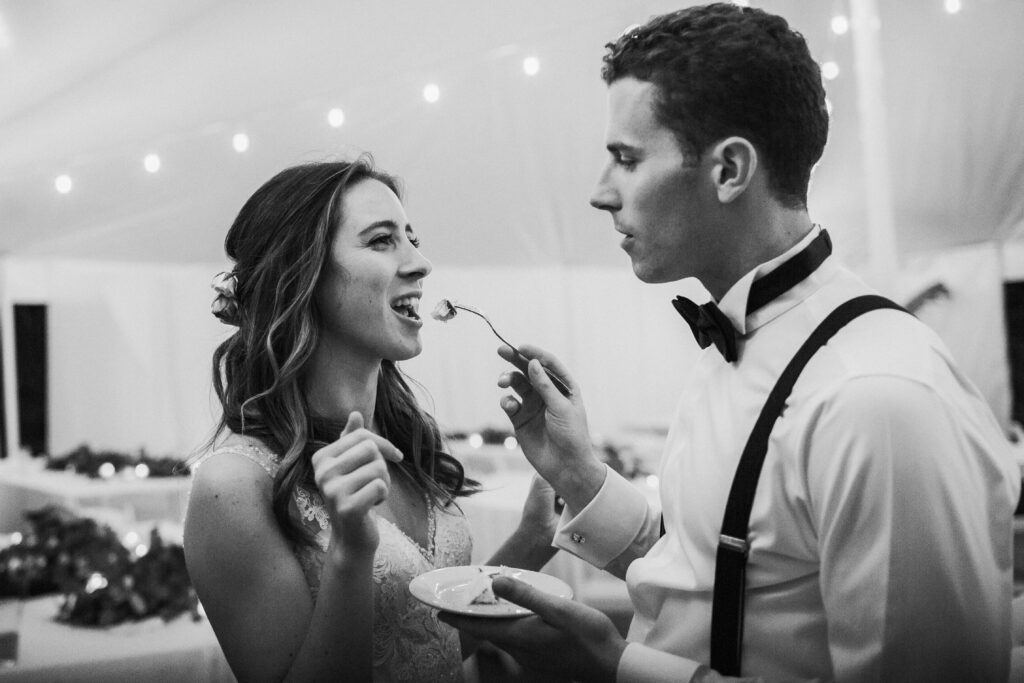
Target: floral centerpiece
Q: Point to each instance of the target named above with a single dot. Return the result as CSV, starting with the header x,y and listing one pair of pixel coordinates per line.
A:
x,y
102,582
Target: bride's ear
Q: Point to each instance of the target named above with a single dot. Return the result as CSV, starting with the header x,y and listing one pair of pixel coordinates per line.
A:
x,y
734,163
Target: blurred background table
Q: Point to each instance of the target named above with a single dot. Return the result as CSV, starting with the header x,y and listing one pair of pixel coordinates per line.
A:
x,y
25,484
152,650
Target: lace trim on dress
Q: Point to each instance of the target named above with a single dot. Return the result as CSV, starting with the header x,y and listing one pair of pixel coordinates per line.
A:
x,y
311,507
268,462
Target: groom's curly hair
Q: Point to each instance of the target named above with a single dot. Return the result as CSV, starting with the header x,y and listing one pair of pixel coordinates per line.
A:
x,y
724,70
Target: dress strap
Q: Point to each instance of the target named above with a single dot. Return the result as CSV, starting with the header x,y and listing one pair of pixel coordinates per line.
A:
x,y
268,461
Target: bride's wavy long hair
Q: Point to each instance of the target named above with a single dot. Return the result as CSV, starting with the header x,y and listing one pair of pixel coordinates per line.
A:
x,y
280,244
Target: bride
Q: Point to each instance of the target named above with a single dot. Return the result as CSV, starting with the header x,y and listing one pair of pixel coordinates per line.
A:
x,y
326,488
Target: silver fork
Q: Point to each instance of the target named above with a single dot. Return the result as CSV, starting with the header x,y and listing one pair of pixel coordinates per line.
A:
x,y
518,359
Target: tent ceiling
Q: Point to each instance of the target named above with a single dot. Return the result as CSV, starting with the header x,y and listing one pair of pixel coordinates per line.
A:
x,y
498,171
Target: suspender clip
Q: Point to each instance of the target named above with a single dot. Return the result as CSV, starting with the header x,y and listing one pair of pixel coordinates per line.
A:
x,y
736,545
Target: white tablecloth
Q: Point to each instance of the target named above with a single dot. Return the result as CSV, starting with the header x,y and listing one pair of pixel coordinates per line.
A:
x,y
152,650
26,485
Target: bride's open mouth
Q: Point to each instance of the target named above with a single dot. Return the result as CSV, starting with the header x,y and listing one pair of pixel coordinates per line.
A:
x,y
407,307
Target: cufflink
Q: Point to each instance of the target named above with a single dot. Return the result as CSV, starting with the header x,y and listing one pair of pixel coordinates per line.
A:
x,y
578,538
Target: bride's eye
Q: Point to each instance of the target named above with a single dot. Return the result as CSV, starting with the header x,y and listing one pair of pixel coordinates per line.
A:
x,y
382,240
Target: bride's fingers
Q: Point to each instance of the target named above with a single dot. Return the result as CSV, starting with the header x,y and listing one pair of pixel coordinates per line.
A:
x,y
358,502
346,484
354,422
353,439
363,455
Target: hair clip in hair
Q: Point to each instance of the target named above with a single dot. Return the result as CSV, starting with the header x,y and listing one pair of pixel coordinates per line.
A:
x,y
224,283
225,305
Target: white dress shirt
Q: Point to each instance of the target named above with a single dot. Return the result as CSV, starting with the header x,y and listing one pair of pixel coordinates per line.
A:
x,y
881,531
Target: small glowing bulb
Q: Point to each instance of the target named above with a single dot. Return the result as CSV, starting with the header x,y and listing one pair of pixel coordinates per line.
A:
x,y
141,550
131,538
953,6
142,470
95,582
840,25
511,443
336,117
531,65
106,470
829,70
63,183
240,142
151,163
476,440
652,480
431,93
16,538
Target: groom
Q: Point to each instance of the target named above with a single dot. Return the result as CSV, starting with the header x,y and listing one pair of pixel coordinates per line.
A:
x,y
865,532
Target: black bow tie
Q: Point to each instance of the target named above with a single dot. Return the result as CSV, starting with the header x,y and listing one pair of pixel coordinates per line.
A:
x,y
711,326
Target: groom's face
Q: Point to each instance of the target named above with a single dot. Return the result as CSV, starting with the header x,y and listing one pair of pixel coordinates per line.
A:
x,y
656,194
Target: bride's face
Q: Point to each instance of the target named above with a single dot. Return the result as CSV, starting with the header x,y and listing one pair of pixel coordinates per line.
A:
x,y
370,295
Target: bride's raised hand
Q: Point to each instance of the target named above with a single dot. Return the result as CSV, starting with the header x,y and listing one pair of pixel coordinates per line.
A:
x,y
352,475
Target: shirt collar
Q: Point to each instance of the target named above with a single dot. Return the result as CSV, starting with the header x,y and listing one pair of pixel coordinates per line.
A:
x,y
734,303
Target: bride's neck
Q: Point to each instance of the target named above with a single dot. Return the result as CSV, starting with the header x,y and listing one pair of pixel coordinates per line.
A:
x,y
335,388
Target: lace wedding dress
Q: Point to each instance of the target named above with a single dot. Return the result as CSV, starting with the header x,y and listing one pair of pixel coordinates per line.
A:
x,y
409,643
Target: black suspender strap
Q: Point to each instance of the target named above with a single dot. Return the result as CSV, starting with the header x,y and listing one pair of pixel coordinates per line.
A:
x,y
731,559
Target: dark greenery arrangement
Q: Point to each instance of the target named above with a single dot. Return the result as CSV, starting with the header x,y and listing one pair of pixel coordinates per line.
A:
x,y
86,461
102,582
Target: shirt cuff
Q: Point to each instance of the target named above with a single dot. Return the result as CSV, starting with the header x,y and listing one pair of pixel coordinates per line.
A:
x,y
606,527
642,664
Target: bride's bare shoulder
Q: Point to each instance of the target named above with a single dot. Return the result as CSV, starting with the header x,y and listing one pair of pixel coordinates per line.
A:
x,y
235,457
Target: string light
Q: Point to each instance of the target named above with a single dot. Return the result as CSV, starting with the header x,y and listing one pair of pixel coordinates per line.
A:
x,y
151,163
840,25
95,582
953,6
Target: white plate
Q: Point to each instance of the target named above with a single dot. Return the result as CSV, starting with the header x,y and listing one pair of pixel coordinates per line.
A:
x,y
445,589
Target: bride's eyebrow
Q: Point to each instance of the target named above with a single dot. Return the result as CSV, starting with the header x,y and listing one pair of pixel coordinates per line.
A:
x,y
386,223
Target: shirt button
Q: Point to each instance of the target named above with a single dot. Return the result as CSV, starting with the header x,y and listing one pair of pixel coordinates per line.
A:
x,y
578,538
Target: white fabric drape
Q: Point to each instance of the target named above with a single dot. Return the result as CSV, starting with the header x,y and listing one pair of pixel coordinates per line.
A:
x,y
130,344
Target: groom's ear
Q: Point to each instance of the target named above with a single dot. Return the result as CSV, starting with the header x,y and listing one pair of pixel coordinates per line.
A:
x,y
733,165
